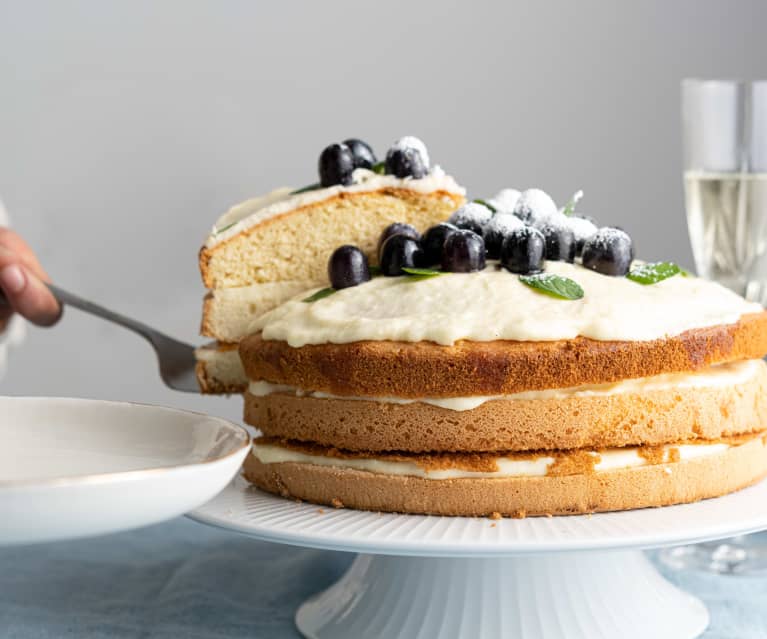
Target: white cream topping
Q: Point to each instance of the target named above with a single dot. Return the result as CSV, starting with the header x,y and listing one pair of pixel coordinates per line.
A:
x,y
730,374
494,305
613,459
256,210
212,352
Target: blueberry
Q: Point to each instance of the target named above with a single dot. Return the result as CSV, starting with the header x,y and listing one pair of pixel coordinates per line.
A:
x,y
397,228
499,226
523,251
408,157
433,242
472,216
583,228
347,266
336,165
608,251
534,206
505,200
364,158
560,241
398,252
463,252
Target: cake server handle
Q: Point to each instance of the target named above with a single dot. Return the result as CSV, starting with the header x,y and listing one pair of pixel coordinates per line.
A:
x,y
176,359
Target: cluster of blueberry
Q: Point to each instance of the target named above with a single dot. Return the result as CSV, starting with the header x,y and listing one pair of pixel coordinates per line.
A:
x,y
524,229
407,157
519,229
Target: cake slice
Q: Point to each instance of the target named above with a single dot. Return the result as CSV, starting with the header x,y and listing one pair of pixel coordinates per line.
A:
x,y
269,249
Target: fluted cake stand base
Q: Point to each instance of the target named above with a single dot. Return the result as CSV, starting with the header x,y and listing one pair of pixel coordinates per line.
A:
x,y
572,595
421,577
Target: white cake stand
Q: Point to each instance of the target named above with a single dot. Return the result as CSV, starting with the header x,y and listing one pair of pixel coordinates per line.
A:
x,y
580,577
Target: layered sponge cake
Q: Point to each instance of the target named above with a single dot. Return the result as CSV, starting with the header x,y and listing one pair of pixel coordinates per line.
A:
x,y
269,249
562,377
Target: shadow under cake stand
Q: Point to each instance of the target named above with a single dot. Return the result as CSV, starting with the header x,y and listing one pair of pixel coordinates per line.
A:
x,y
576,577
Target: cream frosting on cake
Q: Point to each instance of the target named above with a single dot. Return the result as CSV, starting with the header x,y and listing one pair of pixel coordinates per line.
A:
x,y
525,466
494,304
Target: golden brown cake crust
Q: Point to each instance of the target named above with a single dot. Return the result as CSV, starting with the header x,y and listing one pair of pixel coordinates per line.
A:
x,y
426,369
588,421
640,487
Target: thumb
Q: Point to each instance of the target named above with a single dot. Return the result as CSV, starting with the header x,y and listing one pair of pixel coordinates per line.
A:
x,y
28,296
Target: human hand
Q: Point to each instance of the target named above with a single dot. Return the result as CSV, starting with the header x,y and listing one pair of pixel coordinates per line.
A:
x,y
21,279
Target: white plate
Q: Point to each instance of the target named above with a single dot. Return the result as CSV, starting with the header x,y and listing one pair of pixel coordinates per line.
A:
x,y
245,509
76,467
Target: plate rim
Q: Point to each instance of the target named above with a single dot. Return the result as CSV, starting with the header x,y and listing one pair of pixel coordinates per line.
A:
x,y
126,475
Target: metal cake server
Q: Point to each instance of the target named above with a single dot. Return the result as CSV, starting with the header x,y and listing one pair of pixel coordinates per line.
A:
x,y
176,359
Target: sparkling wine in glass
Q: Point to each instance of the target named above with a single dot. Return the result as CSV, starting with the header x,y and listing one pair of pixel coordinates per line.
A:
x,y
725,182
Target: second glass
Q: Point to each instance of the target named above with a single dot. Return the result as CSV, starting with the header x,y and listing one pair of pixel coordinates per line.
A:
x,y
725,180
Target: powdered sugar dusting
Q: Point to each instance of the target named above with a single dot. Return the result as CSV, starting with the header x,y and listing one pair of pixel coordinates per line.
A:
x,y
412,142
582,228
503,224
608,236
471,214
505,200
557,221
534,205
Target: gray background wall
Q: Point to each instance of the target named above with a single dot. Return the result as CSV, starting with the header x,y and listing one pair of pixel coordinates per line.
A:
x,y
126,128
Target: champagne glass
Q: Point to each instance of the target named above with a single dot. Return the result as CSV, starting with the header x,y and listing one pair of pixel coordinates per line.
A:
x,y
724,126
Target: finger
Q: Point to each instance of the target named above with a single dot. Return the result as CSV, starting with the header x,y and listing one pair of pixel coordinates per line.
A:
x,y
28,296
15,244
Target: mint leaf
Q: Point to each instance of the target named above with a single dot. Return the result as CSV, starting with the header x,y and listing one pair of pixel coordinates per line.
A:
x,y
488,205
323,292
427,272
379,167
304,189
375,271
224,228
654,272
554,285
570,206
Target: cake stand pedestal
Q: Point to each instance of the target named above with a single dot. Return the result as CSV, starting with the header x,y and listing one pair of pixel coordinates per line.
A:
x,y
572,595
581,577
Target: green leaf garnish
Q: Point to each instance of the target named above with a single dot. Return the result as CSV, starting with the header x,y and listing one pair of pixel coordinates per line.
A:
x,y
570,206
488,205
554,285
420,273
323,292
653,272
375,271
379,167
224,228
304,189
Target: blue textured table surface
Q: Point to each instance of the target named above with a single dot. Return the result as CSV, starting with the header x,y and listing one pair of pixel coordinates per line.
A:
x,y
183,579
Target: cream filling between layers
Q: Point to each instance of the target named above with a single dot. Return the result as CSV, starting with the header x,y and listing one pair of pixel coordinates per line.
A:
x,y
614,459
494,304
214,352
256,210
730,374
